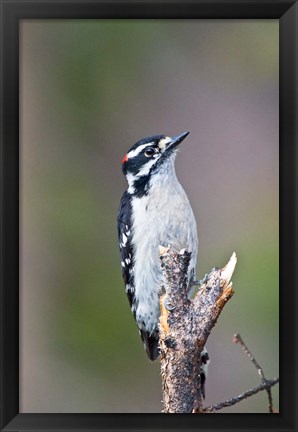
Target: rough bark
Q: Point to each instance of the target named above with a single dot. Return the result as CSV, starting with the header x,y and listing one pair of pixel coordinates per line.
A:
x,y
185,326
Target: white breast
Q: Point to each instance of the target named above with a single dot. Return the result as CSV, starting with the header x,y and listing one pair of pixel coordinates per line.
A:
x,y
164,217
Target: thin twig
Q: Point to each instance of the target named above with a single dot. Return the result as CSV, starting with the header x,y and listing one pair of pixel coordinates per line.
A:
x,y
238,339
237,399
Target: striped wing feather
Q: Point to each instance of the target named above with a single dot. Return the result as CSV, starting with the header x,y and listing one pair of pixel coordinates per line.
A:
x,y
126,252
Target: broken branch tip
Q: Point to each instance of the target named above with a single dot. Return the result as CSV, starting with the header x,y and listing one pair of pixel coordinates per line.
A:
x,y
163,250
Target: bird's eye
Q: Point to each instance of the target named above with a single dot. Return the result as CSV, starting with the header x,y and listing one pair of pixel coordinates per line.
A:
x,y
149,152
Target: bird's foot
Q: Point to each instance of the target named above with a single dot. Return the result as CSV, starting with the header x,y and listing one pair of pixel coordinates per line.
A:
x,y
200,282
166,305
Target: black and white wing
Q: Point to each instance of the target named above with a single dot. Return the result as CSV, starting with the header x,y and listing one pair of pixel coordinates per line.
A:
x,y
150,340
126,252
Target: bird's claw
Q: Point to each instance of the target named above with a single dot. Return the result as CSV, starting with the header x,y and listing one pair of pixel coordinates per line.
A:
x,y
166,305
201,282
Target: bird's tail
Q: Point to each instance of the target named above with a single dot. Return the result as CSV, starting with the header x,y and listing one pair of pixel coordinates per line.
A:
x,y
150,341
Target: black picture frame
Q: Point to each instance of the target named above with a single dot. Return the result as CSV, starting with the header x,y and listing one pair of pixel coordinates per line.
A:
x,y
11,14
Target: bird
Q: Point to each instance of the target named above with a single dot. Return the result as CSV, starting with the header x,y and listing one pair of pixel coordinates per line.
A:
x,y
153,211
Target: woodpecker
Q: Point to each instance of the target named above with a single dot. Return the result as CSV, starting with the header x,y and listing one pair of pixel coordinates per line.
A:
x,y
154,210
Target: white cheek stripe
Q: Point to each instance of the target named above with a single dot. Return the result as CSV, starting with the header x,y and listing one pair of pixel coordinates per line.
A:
x,y
130,180
146,168
138,150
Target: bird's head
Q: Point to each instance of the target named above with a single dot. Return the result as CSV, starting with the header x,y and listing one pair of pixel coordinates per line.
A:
x,y
149,156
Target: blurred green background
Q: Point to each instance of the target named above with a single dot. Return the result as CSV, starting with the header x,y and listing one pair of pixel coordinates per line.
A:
x,y
89,90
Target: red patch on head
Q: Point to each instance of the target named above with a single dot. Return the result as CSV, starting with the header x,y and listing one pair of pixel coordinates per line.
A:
x,y
125,159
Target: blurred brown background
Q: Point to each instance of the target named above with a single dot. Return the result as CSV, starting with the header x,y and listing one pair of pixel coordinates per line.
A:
x,y
89,90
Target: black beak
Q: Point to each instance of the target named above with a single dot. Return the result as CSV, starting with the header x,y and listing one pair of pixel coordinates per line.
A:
x,y
177,140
